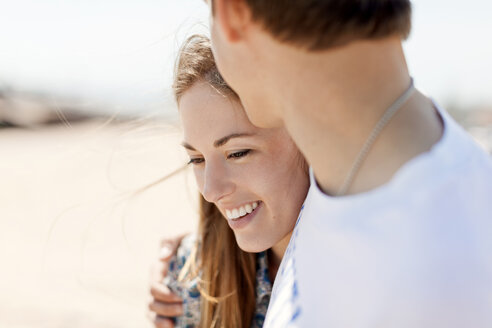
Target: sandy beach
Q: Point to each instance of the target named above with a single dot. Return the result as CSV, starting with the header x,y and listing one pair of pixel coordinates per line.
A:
x,y
76,243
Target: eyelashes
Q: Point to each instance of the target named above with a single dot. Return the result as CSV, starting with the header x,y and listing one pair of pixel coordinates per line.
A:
x,y
239,154
195,161
233,156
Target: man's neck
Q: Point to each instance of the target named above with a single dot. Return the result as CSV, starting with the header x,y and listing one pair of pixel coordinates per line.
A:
x,y
334,100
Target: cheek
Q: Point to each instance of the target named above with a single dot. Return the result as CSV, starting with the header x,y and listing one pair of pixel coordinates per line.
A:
x,y
219,49
285,166
198,173
289,180
269,178
254,108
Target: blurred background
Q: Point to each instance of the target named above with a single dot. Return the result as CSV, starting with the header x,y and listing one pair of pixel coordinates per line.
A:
x,y
87,118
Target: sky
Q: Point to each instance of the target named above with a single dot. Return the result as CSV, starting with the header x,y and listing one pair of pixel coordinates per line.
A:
x,y
121,53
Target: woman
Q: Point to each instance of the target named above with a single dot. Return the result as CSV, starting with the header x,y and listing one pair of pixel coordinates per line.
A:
x,y
253,182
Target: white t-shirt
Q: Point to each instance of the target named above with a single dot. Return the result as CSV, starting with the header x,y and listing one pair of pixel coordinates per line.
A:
x,y
416,252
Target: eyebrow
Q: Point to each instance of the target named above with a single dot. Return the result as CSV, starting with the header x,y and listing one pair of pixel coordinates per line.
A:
x,y
220,142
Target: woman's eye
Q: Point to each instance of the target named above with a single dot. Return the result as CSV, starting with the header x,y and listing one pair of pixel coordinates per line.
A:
x,y
239,154
196,161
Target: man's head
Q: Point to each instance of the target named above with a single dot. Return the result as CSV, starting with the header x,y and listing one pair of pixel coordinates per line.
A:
x,y
245,31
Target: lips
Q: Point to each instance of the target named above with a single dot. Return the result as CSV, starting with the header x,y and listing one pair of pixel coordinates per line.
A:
x,y
237,213
242,222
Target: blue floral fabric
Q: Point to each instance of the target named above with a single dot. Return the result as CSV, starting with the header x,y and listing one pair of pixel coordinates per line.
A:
x,y
188,290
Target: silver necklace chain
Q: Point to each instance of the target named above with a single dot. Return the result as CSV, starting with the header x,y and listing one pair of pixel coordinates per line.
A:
x,y
388,114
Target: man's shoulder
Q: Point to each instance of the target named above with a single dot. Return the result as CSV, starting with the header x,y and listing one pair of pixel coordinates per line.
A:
x,y
433,222
455,173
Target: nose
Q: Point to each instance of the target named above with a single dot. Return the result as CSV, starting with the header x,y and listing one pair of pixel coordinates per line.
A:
x,y
217,182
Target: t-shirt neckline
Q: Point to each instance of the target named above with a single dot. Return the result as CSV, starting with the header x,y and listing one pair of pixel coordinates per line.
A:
x,y
415,163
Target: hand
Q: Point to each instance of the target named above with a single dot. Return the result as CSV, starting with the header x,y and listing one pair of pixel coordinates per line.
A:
x,y
164,305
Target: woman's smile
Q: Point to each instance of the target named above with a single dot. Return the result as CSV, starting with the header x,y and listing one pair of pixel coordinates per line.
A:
x,y
239,212
244,220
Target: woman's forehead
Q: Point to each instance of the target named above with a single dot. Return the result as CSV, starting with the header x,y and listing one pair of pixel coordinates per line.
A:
x,y
204,110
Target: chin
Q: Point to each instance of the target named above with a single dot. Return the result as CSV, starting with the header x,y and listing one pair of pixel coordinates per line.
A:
x,y
251,246
262,119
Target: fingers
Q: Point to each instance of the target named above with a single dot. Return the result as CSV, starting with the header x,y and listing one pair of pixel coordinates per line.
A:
x,y
166,309
161,293
161,322
165,305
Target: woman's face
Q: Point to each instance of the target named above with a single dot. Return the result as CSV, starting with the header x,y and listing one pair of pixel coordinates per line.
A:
x,y
253,175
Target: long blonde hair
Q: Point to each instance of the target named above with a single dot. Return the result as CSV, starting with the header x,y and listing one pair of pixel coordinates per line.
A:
x,y
227,274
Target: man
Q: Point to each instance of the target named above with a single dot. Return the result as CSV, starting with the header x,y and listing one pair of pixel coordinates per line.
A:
x,y
395,229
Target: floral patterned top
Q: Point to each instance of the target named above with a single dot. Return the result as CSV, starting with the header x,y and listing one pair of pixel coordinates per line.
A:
x,y
188,290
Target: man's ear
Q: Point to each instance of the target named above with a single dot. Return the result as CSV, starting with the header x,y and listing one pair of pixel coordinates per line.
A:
x,y
233,18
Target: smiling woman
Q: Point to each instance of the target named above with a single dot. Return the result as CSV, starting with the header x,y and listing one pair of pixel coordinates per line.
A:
x,y
253,182
236,166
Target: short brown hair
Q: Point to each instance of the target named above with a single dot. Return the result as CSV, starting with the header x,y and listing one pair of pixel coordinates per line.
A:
x,y
322,24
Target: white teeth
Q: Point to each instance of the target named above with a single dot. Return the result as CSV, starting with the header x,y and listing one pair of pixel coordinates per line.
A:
x,y
241,211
